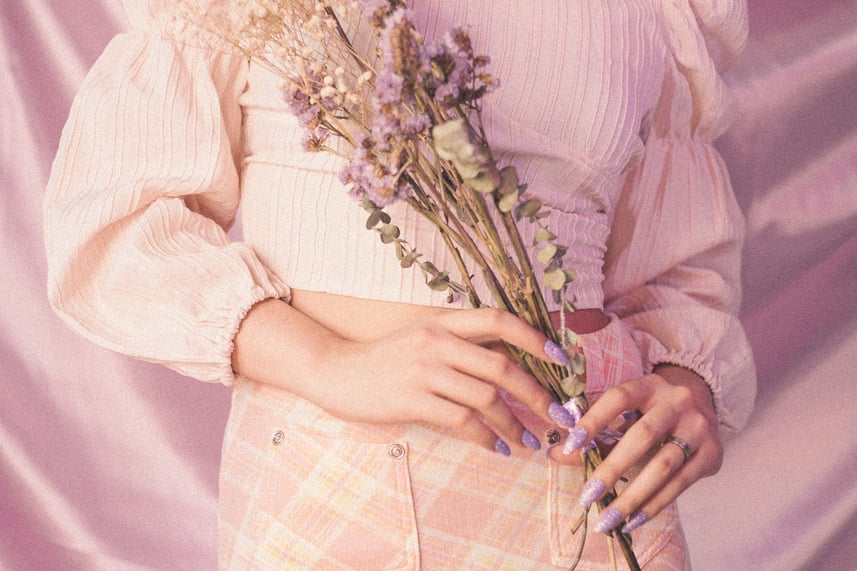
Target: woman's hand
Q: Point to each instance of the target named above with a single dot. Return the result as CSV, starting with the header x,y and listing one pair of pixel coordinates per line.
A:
x,y
436,372
674,402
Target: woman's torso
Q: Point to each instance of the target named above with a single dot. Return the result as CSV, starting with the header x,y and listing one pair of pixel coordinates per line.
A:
x,y
576,82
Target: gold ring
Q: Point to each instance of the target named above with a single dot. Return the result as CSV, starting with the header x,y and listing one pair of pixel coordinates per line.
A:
x,y
684,446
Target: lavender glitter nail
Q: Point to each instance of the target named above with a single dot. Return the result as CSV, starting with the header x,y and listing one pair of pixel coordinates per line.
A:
x,y
556,353
634,521
591,492
529,440
560,415
501,447
574,410
608,520
576,438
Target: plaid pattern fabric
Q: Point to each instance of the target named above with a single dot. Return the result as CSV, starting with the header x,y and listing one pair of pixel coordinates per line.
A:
x,y
301,489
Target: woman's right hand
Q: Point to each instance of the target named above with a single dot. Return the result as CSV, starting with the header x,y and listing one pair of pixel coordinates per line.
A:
x,y
438,372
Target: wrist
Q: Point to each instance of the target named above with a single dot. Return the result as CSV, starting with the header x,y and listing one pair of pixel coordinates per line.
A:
x,y
279,346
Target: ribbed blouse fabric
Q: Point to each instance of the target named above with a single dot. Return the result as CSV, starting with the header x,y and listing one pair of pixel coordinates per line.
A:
x,y
607,109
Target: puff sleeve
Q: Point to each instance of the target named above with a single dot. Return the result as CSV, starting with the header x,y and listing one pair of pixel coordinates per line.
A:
x,y
673,265
141,194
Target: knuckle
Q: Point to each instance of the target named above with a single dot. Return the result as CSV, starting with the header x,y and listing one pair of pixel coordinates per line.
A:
x,y
460,418
494,318
499,366
489,397
424,338
683,398
704,425
619,396
646,431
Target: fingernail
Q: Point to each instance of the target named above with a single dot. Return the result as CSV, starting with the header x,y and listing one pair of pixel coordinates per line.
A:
x,y
634,521
556,353
608,520
591,492
560,415
576,438
529,440
574,410
501,447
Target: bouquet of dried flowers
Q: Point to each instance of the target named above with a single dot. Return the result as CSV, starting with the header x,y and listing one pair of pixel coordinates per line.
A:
x,y
405,114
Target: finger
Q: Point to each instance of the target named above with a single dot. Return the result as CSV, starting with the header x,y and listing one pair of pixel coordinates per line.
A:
x,y
660,482
465,421
503,371
635,445
489,323
613,403
485,398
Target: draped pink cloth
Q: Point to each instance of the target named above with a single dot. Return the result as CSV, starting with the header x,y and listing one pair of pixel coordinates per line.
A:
x,y
106,463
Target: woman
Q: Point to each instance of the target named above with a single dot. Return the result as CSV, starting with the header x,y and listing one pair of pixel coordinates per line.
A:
x,y
373,427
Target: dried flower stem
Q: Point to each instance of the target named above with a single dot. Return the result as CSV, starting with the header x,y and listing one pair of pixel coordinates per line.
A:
x,y
409,112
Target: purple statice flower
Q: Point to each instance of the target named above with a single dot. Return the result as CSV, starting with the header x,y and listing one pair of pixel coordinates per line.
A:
x,y
379,8
388,87
400,45
458,76
313,141
386,129
447,93
416,124
371,179
300,104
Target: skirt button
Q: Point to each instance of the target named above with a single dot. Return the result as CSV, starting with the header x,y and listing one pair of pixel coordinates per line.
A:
x,y
397,450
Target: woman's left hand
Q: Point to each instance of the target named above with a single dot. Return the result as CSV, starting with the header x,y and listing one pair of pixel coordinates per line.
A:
x,y
674,402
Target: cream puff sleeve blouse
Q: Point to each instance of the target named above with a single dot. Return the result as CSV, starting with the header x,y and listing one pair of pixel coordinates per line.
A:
x,y
608,109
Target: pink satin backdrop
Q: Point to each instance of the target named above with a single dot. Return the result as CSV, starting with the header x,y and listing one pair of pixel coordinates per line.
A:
x,y
106,463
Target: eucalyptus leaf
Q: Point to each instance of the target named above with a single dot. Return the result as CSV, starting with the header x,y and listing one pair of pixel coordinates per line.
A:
x,y
465,214
570,336
528,208
389,233
507,201
429,268
578,363
440,282
485,181
543,235
373,219
547,253
570,384
508,181
554,280
408,260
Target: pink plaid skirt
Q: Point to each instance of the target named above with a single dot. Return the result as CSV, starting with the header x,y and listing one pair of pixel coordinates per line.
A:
x,y
301,489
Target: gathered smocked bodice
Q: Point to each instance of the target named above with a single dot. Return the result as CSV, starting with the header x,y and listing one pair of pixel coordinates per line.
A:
x,y
577,80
